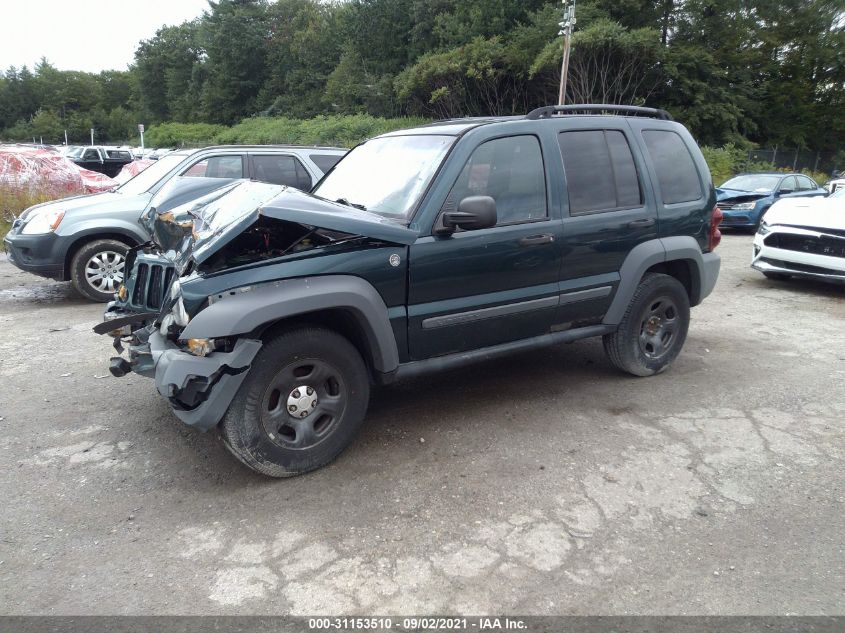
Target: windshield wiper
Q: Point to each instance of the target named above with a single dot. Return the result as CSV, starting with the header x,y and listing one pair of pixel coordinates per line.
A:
x,y
351,204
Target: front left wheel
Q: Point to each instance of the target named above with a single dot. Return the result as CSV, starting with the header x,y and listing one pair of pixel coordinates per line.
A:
x,y
301,404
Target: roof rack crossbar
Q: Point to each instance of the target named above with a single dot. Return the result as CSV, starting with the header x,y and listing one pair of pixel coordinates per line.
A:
x,y
546,112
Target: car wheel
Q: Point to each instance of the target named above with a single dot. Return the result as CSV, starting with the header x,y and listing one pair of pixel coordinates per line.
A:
x,y
301,404
654,328
96,270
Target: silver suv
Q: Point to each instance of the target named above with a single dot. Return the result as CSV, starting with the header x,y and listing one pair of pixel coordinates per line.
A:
x,y
85,239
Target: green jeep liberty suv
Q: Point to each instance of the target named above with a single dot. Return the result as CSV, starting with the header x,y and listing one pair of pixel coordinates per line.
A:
x,y
270,312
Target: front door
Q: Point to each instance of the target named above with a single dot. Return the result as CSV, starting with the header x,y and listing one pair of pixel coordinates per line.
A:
x,y
473,289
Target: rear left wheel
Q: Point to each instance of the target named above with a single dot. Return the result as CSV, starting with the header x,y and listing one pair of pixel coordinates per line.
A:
x,y
654,327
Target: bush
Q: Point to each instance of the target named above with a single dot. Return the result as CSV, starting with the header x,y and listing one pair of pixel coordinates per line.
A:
x,y
343,131
725,162
181,134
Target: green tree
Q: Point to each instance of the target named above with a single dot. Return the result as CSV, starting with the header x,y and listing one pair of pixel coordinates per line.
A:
x,y
234,36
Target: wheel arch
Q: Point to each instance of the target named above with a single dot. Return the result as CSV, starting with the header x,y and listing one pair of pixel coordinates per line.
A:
x,y
344,303
678,256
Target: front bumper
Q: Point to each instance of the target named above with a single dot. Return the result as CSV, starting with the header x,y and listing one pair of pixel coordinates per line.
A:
x,y
42,255
738,219
797,263
199,388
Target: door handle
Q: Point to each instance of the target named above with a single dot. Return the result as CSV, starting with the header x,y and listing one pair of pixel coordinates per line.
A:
x,y
641,224
534,240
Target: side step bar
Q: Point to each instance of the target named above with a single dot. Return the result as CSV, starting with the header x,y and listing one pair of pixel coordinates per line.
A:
x,y
460,359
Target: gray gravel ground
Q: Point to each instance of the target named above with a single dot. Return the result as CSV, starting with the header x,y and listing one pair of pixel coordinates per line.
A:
x,y
545,483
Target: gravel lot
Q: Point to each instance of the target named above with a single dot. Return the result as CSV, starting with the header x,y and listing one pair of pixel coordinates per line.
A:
x,y
542,484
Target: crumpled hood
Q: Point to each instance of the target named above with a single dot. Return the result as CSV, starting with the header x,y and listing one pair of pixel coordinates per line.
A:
x,y
732,195
225,213
820,213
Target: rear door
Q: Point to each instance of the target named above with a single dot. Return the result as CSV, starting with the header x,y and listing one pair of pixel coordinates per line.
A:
x,y
609,211
808,187
281,169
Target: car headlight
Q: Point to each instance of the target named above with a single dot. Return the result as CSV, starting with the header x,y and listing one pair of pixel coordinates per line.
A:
x,y
745,206
44,221
763,228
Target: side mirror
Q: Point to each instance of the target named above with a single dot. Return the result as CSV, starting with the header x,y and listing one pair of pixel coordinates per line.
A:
x,y
783,192
474,212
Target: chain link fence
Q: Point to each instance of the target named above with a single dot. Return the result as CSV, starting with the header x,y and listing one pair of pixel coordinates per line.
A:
x,y
797,159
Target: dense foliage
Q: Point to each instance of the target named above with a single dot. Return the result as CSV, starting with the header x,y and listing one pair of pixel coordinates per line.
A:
x,y
767,71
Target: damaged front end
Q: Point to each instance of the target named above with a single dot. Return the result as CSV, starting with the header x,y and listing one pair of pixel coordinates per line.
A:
x,y
231,229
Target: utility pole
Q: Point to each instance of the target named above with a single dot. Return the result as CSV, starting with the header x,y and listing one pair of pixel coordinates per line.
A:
x,y
566,28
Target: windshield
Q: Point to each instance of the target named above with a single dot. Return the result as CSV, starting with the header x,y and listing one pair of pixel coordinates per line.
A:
x,y
75,152
386,175
751,182
150,176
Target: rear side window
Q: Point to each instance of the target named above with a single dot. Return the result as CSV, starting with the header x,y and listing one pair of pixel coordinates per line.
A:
x,y
509,170
600,171
119,154
676,171
325,161
805,184
281,170
217,167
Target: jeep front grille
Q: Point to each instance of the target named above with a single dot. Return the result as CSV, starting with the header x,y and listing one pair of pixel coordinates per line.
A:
x,y
152,281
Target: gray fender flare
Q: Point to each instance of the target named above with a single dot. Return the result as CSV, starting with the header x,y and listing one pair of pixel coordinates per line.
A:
x,y
704,268
243,311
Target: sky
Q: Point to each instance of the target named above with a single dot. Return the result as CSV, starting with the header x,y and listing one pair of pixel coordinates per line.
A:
x,y
90,35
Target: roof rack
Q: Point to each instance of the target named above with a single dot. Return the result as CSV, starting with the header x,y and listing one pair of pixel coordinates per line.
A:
x,y
546,112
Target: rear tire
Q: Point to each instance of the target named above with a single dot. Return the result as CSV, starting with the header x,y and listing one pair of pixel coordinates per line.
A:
x,y
301,404
654,328
97,269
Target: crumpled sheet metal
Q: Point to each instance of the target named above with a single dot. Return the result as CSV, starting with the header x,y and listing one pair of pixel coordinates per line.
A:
x,y
44,170
130,170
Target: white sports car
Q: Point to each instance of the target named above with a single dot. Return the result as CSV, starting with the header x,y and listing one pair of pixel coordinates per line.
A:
x,y
803,237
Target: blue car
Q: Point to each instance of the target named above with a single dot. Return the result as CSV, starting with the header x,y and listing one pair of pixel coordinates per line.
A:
x,y
745,198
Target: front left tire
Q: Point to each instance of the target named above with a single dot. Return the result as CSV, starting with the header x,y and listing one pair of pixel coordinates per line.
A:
x,y
301,404
97,269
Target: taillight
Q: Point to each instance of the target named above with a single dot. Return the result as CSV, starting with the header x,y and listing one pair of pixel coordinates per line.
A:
x,y
715,233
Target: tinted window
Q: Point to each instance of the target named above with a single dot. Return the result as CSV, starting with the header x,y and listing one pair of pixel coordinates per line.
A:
x,y
509,170
325,161
805,183
281,170
674,165
91,154
600,171
118,154
217,167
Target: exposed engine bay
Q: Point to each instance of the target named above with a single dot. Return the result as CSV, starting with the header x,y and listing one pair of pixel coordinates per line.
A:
x,y
269,238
